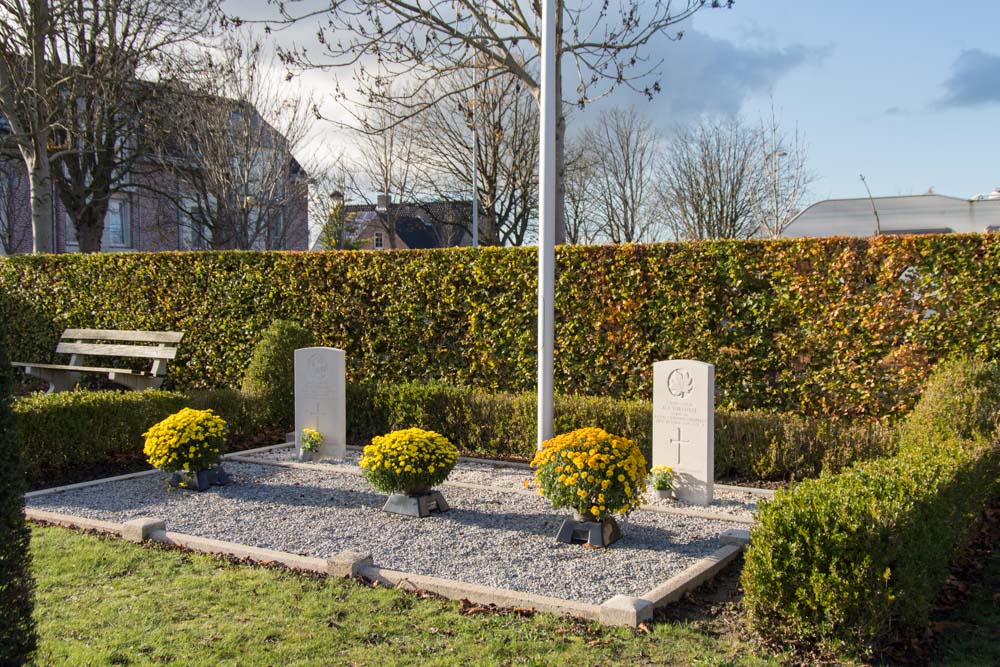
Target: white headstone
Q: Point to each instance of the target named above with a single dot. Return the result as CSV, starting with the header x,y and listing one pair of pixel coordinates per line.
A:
x,y
319,399
684,426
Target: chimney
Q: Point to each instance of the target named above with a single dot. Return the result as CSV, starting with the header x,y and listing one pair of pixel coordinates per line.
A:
x,y
383,203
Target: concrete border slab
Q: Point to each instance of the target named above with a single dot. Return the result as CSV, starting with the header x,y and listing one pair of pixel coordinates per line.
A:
x,y
704,569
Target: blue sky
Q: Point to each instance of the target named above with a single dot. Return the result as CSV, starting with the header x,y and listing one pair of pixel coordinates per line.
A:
x,y
907,93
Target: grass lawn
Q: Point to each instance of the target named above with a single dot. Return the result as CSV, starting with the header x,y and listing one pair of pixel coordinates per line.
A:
x,y
104,601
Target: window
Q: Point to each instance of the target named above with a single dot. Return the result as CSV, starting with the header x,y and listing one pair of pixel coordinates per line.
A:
x,y
194,233
117,230
378,242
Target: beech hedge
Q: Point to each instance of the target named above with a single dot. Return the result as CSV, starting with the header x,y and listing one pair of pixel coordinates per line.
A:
x,y
851,562
837,326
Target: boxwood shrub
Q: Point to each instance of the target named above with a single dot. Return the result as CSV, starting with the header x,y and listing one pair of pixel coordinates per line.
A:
x,y
58,431
850,562
84,427
270,377
751,443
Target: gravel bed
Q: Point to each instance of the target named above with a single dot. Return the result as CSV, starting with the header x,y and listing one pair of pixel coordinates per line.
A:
x,y
727,502
490,537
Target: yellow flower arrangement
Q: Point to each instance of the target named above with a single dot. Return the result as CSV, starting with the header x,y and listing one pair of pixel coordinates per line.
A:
x,y
311,439
187,440
408,461
591,471
662,477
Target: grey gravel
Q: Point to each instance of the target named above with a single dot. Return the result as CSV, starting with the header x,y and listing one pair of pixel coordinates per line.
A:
x,y
501,537
502,475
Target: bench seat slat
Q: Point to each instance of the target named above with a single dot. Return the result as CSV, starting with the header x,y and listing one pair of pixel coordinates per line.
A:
x,y
128,336
109,350
85,369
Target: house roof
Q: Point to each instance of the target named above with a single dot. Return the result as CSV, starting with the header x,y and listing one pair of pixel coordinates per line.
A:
x,y
907,214
430,224
416,233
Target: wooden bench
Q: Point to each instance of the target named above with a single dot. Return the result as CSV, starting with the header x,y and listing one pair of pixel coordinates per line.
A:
x,y
159,346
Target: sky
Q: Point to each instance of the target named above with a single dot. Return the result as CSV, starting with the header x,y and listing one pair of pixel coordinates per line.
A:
x,y
906,93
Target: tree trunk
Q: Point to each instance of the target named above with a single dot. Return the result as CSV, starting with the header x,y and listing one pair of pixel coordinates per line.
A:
x,y
560,176
90,227
40,182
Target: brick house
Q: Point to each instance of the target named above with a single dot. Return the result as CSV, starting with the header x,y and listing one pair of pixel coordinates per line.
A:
x,y
141,218
386,225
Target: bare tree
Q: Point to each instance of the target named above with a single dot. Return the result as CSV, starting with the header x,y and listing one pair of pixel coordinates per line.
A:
x,y
386,166
231,144
502,120
30,78
12,206
582,226
623,148
421,42
119,53
785,179
68,89
711,180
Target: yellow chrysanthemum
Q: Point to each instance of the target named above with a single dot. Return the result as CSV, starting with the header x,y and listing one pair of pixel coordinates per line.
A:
x,y
606,467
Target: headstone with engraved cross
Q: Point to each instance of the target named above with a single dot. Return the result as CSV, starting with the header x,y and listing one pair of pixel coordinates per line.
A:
x,y
320,400
684,426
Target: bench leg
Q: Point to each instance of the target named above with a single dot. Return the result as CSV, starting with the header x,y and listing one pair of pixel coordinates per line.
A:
x,y
58,380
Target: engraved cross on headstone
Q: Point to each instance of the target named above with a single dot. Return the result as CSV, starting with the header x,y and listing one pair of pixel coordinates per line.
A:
x,y
679,442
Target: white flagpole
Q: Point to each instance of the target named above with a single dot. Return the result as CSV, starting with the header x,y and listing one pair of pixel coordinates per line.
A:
x,y
547,222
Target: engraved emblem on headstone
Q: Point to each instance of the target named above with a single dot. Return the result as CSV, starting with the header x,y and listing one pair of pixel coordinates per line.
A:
x,y
317,366
679,383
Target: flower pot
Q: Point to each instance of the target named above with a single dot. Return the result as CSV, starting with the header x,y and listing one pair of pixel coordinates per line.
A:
x,y
593,533
199,480
663,494
305,455
416,504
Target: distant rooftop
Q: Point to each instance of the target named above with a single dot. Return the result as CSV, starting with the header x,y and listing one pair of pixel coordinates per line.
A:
x,y
929,213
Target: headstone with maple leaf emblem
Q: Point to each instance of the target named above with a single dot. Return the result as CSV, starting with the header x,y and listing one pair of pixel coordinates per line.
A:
x,y
320,399
684,426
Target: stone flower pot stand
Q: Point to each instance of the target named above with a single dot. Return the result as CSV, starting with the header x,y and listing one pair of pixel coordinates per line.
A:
x,y
200,480
592,533
418,504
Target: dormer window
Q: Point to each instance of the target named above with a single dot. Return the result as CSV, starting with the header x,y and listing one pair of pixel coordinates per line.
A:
x,y
378,241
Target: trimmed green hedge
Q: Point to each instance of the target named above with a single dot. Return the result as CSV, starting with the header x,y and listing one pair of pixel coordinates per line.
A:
x,y
851,562
839,327
57,431
18,637
752,444
82,427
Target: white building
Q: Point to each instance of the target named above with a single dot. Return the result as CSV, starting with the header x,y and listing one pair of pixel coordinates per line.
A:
x,y
910,214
